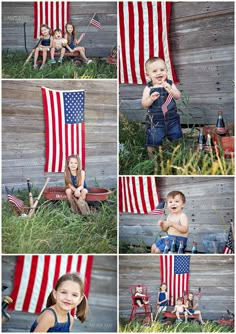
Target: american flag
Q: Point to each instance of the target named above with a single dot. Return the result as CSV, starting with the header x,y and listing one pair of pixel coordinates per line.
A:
x,y
36,276
159,210
137,194
229,246
95,22
144,28
167,102
15,202
64,127
174,270
53,13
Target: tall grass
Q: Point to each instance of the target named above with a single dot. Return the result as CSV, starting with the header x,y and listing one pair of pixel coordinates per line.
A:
x,y
55,229
158,327
178,158
12,67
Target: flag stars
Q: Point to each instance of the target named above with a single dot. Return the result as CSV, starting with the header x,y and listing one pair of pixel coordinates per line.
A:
x,y
74,107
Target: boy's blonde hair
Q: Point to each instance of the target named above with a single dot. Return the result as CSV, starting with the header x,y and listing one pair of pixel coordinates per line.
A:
x,y
174,193
152,60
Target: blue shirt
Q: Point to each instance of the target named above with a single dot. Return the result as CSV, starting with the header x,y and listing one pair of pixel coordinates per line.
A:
x,y
58,326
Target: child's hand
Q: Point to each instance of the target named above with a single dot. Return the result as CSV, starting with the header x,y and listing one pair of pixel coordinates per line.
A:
x,y
77,192
154,96
167,86
160,222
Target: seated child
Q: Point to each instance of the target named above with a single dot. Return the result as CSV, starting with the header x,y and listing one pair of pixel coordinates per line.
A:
x,y
190,307
140,301
159,97
179,309
176,224
44,45
58,45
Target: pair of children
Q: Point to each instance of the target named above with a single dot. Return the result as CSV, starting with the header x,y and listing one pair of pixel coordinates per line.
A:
x,y
57,43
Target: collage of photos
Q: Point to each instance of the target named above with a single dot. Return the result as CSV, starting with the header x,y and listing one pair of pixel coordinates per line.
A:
x,y
118,121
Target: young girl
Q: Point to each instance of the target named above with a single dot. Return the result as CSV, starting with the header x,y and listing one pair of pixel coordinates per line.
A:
x,y
191,307
72,41
67,295
76,188
44,45
162,298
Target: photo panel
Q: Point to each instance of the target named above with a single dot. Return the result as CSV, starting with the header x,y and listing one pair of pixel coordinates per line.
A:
x,y
44,123
28,281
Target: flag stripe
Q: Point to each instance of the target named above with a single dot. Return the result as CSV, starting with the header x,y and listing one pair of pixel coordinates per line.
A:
x,y
144,28
137,194
36,276
54,14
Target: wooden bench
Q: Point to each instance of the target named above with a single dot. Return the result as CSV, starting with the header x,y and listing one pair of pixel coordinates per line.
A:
x,y
57,54
169,314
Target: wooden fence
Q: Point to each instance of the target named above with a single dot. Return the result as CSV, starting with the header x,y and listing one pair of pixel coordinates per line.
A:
x,y
209,207
102,298
23,138
98,43
202,48
213,273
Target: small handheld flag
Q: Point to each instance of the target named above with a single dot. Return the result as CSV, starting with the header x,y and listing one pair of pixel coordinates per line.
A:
x,y
95,22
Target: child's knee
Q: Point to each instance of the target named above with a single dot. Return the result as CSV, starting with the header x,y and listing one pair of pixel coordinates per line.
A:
x,y
68,192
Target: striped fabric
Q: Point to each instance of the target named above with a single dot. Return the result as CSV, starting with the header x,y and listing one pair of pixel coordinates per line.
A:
x,y
36,276
144,30
53,13
137,194
167,102
174,270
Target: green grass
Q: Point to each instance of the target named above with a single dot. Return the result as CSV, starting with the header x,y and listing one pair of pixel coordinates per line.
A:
x,y
55,229
158,327
179,158
12,67
129,248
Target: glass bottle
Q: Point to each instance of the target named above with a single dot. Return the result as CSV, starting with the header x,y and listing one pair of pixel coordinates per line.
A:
x,y
173,248
181,247
194,247
207,146
166,249
200,140
220,124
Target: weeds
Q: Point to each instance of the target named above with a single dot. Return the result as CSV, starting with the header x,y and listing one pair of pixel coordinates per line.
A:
x,y
179,158
12,67
55,229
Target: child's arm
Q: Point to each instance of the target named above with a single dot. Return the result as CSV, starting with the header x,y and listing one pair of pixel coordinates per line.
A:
x,y
172,89
147,99
71,322
45,321
163,301
164,227
80,38
174,310
183,226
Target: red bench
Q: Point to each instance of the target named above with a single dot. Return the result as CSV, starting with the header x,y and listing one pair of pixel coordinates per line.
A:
x,y
57,54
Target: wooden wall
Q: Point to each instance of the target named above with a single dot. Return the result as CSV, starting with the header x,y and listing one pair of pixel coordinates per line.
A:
x,y
214,274
98,43
209,207
202,48
23,141
102,299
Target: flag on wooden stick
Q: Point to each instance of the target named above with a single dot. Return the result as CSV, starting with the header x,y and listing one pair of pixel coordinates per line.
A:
x,y
229,245
159,210
17,203
95,22
55,14
64,127
137,194
144,28
36,276
174,271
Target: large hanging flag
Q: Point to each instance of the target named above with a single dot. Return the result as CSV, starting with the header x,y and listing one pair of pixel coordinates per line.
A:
x,y
36,276
174,271
144,28
64,127
55,14
137,194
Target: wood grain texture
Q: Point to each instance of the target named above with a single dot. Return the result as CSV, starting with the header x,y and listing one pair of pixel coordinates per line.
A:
x,y
202,47
23,131
98,43
214,274
209,208
102,299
